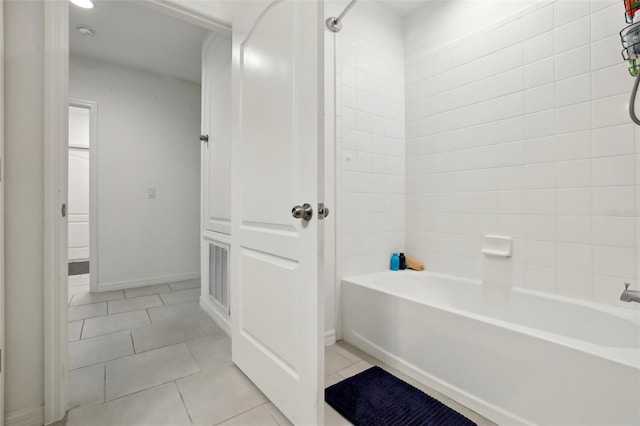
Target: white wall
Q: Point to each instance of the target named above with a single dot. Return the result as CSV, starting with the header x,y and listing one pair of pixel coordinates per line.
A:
x,y
369,162
148,137
521,129
370,139
24,206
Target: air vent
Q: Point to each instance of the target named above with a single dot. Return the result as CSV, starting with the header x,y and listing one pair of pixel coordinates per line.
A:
x,y
219,274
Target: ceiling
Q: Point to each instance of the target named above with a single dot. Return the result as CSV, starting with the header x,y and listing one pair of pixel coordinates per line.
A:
x,y
403,8
132,35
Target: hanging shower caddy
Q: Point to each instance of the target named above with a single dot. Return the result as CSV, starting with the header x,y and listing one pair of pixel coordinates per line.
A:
x,y
630,38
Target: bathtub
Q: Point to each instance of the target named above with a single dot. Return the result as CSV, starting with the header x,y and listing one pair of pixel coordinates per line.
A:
x,y
514,356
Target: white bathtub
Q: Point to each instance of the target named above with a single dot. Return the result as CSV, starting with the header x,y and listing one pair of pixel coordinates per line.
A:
x,y
514,356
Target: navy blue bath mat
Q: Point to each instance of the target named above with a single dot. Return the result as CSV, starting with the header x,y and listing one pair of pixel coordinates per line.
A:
x,y
375,397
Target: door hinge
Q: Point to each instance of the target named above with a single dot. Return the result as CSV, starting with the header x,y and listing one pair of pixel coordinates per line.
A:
x,y
64,210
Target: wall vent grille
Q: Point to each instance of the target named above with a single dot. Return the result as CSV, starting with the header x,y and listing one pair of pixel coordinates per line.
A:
x,y
219,274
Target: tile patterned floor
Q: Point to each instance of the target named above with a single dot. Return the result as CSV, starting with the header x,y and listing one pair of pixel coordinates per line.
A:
x,y
150,357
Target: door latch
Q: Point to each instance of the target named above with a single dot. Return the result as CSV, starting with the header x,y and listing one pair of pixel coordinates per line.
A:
x,y
204,138
323,211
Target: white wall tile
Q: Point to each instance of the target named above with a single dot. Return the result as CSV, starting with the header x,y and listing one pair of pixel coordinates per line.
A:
x,y
613,261
606,52
574,229
540,176
610,111
540,150
606,22
572,174
574,257
614,140
614,231
539,98
573,146
574,284
609,200
574,202
573,34
531,138
567,11
613,170
540,279
538,47
573,90
573,62
538,73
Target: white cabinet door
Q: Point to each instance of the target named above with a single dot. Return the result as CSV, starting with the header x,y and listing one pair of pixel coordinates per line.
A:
x,y
216,125
277,304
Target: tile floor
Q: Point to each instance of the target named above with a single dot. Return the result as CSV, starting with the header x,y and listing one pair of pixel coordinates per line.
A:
x,y
151,356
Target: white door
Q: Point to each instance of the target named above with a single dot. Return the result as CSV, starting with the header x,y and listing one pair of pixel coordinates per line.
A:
x,y
216,126
277,304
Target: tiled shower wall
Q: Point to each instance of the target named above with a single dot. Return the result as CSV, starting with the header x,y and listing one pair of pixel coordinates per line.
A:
x,y
370,151
521,129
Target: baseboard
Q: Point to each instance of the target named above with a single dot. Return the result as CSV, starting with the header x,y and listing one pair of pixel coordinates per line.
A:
x,y
119,285
219,317
329,337
26,417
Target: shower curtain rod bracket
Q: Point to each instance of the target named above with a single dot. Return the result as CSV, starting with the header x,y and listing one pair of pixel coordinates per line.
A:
x,y
334,25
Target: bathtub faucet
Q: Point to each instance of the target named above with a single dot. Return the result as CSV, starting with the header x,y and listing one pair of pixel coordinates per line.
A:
x,y
630,295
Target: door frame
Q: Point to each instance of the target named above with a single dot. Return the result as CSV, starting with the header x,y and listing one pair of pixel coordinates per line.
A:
x,y
93,187
2,270
56,169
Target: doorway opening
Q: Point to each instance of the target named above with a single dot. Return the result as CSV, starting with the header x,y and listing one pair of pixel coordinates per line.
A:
x,y
138,170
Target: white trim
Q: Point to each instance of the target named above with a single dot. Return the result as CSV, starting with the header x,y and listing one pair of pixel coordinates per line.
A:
x,y
119,285
329,337
93,188
217,314
56,126
56,107
2,167
26,417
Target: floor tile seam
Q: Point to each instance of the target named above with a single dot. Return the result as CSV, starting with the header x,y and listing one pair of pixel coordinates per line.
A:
x,y
94,364
93,303
151,294
192,355
184,403
166,346
142,390
102,335
81,331
246,411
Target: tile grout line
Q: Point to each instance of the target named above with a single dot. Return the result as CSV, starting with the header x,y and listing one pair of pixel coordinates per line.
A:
x,y
104,397
184,403
81,329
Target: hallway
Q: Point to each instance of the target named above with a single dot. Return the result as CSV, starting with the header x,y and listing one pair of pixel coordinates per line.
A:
x,y
151,356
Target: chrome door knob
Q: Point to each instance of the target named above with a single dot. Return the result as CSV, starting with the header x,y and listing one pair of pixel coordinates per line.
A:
x,y
304,212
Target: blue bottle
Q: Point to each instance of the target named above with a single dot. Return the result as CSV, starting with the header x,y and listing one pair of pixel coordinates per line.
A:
x,y
395,262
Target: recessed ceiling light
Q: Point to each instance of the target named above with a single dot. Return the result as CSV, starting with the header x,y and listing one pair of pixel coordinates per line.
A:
x,y
85,31
85,4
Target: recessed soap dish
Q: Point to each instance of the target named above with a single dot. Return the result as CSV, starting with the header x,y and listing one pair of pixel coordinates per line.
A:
x,y
496,245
